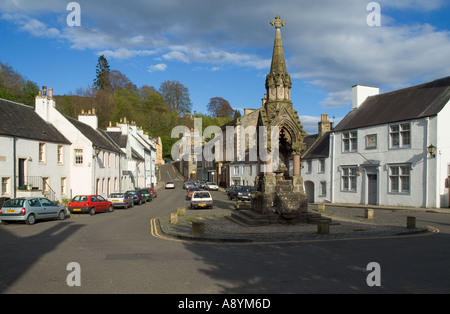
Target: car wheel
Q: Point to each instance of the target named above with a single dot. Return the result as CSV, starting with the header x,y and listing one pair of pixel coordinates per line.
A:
x,y
30,219
111,209
92,211
62,215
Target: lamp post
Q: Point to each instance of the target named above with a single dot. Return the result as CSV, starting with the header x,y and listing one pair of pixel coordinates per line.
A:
x,y
432,151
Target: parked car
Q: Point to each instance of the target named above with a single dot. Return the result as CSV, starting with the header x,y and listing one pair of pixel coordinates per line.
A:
x,y
187,184
201,199
231,191
154,193
190,191
244,190
90,204
147,194
138,198
211,186
30,209
170,185
124,200
243,193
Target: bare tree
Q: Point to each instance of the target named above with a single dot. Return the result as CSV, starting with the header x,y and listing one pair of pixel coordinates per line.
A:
x,y
176,96
219,107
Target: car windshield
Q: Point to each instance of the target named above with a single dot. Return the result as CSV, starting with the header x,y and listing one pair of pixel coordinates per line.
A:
x,y
202,195
116,195
80,199
18,202
132,192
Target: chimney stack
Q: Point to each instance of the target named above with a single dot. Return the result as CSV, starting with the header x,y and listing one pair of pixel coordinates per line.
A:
x,y
360,94
324,125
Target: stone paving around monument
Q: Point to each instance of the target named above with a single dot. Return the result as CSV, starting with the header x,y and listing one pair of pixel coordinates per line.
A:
x,y
345,225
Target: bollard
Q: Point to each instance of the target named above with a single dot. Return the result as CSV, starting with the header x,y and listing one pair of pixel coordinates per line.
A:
x,y
410,222
369,213
198,228
321,208
173,218
323,227
181,211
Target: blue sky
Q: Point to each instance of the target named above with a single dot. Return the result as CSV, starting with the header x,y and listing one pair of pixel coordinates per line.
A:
x,y
220,48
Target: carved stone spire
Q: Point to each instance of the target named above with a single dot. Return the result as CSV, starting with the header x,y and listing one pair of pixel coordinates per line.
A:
x,y
278,81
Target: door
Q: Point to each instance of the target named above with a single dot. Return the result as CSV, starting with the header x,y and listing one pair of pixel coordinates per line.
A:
x,y
372,189
49,209
21,178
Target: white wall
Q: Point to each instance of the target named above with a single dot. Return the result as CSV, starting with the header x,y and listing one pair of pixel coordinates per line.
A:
x,y
382,156
29,151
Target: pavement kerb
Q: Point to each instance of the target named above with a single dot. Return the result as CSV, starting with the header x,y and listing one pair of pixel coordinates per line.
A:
x,y
185,232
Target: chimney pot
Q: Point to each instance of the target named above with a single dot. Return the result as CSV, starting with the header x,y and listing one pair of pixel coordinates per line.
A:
x,y
50,92
44,90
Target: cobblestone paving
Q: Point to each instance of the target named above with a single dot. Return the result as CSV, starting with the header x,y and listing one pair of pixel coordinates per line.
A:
x,y
345,224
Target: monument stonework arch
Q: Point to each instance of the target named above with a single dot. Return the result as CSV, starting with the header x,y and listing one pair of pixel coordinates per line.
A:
x,y
277,192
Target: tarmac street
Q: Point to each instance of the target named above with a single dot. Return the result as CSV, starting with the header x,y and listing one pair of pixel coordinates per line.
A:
x,y
128,251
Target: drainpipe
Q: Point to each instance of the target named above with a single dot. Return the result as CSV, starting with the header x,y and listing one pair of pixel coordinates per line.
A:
x,y
427,119
332,168
14,167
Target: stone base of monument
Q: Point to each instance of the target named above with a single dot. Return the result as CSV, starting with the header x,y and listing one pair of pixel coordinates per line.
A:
x,y
248,217
277,200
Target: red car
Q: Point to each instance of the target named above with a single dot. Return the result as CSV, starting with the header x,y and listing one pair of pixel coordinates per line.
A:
x,y
89,204
192,190
154,193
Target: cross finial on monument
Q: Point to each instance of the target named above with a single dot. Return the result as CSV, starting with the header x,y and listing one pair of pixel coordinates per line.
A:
x,y
277,22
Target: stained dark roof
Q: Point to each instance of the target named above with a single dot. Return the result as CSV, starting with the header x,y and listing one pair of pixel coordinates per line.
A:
x,y
320,148
118,138
98,137
22,121
418,101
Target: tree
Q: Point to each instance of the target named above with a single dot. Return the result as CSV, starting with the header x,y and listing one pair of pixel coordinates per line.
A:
x,y
219,107
237,114
102,80
176,96
119,81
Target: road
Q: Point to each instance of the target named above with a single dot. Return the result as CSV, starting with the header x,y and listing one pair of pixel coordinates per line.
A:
x,y
117,253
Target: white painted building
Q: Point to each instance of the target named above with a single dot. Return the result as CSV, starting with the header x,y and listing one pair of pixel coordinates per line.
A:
x,y
33,155
140,167
391,149
94,159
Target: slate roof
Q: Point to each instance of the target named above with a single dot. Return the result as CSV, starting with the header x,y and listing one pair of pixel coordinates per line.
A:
x,y
98,137
319,149
118,138
22,121
414,102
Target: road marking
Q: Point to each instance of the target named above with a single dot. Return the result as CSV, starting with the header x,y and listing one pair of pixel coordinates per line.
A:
x,y
154,232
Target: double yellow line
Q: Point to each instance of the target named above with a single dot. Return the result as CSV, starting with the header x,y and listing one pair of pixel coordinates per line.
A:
x,y
154,231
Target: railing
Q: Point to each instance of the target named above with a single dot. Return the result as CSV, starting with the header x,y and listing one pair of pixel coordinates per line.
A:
x,y
36,183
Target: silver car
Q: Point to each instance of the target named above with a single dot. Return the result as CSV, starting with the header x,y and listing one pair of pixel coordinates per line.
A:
x,y
30,209
124,200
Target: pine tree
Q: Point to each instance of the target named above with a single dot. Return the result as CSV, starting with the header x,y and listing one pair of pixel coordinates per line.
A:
x,y
102,80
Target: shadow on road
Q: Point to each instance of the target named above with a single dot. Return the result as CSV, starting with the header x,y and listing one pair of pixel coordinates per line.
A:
x,y
24,252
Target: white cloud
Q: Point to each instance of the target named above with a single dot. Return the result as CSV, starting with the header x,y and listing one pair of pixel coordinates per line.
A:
x,y
31,25
161,67
123,53
327,43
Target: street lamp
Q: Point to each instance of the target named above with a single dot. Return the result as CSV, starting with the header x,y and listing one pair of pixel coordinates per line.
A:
x,y
431,150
